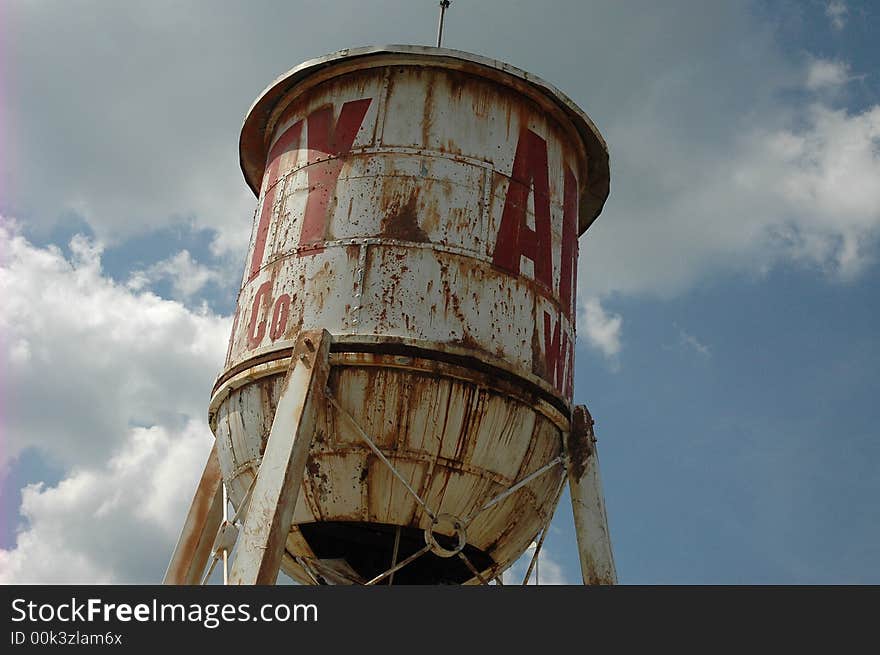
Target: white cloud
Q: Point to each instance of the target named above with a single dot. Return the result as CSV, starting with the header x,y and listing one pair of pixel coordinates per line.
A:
x,y
89,358
602,328
549,571
112,522
794,188
89,361
187,276
837,11
136,126
822,183
824,73
690,341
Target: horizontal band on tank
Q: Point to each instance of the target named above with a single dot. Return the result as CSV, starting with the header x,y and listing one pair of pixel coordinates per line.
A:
x,y
499,373
372,151
534,286
261,119
388,150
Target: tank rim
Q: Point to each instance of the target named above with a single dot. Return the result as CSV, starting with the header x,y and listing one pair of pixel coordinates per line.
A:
x,y
275,359
253,146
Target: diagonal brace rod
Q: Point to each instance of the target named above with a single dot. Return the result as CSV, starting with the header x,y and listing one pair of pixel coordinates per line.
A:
x,y
398,566
504,494
540,543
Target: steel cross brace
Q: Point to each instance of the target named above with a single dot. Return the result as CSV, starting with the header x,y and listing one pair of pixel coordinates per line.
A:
x,y
272,497
282,469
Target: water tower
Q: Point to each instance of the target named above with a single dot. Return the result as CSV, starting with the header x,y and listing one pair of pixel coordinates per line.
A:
x,y
396,401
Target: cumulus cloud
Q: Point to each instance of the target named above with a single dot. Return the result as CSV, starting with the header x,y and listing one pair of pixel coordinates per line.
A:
x,y
687,340
824,73
111,385
602,328
799,187
821,182
114,521
837,11
89,358
549,570
789,186
187,276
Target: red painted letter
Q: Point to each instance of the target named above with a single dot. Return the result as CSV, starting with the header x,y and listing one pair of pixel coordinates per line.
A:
x,y
567,268
279,316
515,238
286,142
256,330
327,140
556,353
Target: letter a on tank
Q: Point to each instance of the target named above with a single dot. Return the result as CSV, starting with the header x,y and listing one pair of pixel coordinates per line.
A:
x,y
515,238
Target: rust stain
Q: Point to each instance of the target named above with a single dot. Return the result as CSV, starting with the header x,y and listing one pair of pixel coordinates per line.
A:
x,y
427,111
581,441
295,321
469,342
450,297
318,480
401,220
539,365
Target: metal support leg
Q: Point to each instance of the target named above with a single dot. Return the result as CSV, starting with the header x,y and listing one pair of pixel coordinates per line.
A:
x,y
588,502
202,522
300,406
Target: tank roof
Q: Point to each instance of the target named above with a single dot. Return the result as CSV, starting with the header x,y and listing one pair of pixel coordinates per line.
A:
x,y
256,130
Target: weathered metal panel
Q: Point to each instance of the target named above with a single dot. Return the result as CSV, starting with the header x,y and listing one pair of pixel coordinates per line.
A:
x,y
423,207
506,427
416,225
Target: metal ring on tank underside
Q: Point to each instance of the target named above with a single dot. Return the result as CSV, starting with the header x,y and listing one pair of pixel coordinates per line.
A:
x,y
448,360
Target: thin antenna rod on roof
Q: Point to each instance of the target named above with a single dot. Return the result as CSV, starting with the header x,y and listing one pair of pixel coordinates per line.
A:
x,y
444,5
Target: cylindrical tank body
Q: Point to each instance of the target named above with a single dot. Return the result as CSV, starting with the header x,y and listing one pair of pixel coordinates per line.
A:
x,y
423,206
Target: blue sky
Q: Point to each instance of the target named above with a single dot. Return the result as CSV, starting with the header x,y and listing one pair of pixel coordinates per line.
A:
x,y
728,337
754,461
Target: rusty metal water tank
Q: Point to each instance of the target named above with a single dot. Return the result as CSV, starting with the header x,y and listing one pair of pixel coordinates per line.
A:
x,y
423,206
